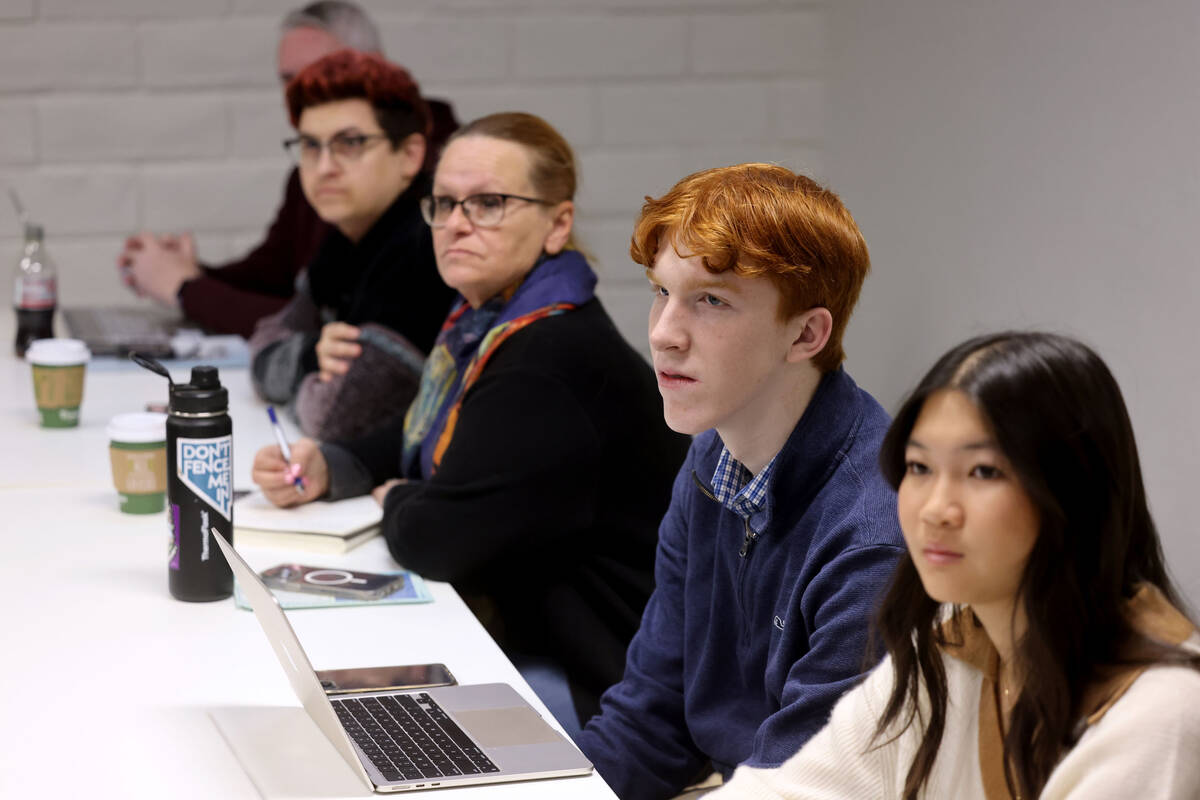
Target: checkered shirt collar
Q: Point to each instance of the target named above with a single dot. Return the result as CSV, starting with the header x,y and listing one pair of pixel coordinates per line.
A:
x,y
737,489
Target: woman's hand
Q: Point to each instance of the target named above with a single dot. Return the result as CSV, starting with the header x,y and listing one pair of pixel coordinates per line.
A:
x,y
276,477
337,347
380,491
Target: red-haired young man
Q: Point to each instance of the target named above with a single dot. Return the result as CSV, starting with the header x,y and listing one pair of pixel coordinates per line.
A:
x,y
781,532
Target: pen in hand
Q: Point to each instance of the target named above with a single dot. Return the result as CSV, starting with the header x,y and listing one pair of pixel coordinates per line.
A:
x,y
297,480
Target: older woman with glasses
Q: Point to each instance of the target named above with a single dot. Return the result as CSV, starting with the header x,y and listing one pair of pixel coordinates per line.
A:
x,y
534,465
347,351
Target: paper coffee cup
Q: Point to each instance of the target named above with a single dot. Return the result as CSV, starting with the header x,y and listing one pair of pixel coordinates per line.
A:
x,y
58,367
137,447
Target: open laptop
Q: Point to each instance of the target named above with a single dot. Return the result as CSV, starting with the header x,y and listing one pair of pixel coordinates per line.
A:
x,y
117,331
418,739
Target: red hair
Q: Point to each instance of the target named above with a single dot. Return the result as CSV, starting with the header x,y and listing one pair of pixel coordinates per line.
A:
x,y
764,220
350,74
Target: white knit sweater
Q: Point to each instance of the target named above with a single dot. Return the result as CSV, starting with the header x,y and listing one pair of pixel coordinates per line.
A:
x,y
1146,746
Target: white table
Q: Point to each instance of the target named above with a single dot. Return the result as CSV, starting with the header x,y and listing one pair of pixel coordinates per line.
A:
x,y
78,457
98,657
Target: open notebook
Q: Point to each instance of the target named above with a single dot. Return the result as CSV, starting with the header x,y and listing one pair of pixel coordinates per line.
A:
x,y
321,527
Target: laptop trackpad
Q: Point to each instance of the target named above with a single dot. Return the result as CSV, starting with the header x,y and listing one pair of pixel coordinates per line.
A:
x,y
502,727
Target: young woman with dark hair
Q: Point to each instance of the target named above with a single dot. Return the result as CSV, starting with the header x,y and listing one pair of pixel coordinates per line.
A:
x,y
1035,642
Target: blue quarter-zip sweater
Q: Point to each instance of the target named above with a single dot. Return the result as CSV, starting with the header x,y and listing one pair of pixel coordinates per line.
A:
x,y
755,627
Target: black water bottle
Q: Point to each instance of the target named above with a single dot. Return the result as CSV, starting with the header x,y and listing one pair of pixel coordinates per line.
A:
x,y
199,486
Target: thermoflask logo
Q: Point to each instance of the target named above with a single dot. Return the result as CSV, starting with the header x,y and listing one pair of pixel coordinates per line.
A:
x,y
205,467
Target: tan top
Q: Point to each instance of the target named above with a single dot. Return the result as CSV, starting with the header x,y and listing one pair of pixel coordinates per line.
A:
x,y
1150,614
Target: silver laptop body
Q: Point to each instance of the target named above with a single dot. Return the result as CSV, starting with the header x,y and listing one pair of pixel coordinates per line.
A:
x,y
512,736
119,330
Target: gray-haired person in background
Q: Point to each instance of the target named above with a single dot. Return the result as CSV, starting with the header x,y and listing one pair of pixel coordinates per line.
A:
x,y
232,297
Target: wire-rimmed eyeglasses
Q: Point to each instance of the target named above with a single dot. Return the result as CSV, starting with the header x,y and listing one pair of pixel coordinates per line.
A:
x,y
485,210
343,147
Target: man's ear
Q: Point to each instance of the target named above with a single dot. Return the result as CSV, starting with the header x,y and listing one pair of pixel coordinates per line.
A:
x,y
812,330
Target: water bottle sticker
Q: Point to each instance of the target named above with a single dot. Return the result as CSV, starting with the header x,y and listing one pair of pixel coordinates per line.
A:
x,y
205,467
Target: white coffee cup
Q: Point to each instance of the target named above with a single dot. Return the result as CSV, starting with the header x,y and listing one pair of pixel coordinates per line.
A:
x,y
58,368
138,451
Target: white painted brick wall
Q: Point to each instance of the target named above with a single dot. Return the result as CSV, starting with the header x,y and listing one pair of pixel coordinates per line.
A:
x,y
766,44
50,56
131,9
616,181
258,123
591,47
274,7
211,197
131,127
17,135
126,115
16,9
800,158
570,108
678,113
607,242
799,110
78,199
449,50
227,52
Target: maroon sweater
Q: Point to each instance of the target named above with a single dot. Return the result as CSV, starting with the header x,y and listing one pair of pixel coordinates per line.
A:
x,y
232,297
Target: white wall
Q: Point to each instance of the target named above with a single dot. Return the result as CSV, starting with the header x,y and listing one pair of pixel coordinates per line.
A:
x,y
1012,164
1031,164
119,115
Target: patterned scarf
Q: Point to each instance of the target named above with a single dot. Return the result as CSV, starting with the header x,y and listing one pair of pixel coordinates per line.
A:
x,y
468,339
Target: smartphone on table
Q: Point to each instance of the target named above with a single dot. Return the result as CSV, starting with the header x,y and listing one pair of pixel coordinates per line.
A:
x,y
377,679
333,581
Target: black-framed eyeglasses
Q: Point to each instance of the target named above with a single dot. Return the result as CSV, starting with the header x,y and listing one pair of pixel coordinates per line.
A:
x,y
343,147
485,210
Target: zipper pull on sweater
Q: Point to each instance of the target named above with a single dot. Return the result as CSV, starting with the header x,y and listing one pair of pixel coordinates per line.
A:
x,y
748,542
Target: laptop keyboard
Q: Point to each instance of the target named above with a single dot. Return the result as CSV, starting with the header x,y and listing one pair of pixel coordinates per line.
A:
x,y
410,737
108,330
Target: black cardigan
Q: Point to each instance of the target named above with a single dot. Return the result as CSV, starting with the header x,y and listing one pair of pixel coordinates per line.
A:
x,y
547,502
389,277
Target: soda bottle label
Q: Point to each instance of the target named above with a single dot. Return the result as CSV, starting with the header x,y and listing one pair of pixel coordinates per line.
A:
x,y
35,294
205,466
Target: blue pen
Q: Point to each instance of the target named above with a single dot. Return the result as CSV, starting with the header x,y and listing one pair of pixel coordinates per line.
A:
x,y
298,482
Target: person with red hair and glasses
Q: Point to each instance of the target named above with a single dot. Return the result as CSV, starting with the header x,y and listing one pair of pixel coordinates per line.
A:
x,y
361,128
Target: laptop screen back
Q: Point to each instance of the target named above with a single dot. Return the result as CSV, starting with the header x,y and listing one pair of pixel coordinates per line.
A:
x,y
291,655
